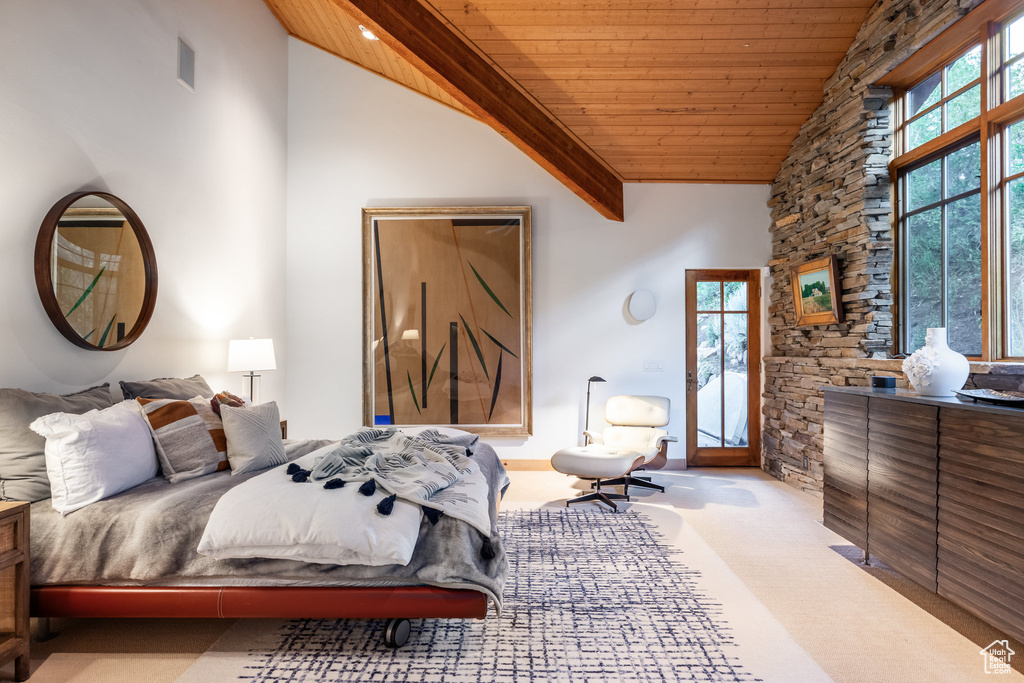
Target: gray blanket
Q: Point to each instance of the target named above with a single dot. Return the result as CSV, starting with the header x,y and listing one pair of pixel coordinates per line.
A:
x,y
428,469
148,536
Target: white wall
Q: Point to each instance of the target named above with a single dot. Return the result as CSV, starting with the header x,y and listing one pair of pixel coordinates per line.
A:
x,y
356,140
89,100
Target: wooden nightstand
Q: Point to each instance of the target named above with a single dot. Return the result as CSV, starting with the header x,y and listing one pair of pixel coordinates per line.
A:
x,y
14,585
284,429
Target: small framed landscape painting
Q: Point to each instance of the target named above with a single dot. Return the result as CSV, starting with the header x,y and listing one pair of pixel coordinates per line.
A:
x,y
816,291
447,318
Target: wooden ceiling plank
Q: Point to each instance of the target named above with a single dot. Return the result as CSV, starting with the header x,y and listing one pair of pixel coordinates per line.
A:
x,y
685,167
675,102
692,108
606,135
585,123
661,145
660,33
661,154
545,72
451,7
765,178
522,63
679,16
423,40
496,45
669,87
697,157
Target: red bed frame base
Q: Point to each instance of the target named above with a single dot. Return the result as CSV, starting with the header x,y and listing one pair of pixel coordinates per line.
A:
x,y
265,602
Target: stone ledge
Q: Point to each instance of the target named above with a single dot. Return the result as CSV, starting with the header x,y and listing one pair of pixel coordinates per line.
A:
x,y
891,364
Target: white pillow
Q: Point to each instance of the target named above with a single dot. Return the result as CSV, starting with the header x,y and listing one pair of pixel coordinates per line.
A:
x,y
253,435
272,516
444,431
92,456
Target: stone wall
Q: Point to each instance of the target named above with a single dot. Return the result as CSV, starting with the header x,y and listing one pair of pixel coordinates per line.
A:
x,y
832,196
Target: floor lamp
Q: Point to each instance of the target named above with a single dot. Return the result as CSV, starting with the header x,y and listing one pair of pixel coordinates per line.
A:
x,y
586,424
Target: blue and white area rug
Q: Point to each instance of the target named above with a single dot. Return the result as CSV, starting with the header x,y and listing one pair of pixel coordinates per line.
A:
x,y
592,596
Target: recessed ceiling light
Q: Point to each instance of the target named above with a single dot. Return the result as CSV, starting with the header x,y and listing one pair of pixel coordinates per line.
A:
x,y
367,33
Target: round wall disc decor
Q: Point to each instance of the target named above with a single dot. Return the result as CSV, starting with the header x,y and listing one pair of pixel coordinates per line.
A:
x,y
642,305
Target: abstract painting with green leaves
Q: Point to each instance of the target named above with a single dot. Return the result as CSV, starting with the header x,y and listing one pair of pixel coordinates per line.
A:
x,y
447,301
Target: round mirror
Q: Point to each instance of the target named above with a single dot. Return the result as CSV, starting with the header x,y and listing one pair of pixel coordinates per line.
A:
x,y
96,271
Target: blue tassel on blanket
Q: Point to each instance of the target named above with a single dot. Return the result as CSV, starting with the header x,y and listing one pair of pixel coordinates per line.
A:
x,y
387,505
334,484
433,515
487,550
368,488
301,476
293,468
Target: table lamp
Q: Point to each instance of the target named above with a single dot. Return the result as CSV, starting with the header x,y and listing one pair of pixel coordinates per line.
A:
x,y
252,355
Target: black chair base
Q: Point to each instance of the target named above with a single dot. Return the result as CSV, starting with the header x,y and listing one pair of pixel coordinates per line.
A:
x,y
600,496
629,480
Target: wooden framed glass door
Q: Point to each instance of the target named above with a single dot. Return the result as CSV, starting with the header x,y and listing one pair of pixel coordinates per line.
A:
x,y
723,368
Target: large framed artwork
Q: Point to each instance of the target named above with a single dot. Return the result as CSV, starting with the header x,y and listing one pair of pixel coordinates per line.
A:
x,y
447,318
816,292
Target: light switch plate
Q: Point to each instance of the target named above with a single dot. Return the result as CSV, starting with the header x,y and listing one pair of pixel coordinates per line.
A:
x,y
653,366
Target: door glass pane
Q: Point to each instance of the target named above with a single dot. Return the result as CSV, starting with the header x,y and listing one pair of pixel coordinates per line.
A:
x,y
963,108
963,71
926,94
735,296
924,185
963,274
709,379
1015,267
963,170
735,384
709,296
924,275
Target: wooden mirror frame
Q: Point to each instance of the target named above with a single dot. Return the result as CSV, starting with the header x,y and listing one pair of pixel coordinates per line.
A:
x,y
44,277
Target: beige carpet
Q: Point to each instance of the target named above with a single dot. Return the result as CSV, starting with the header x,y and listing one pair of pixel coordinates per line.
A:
x,y
767,545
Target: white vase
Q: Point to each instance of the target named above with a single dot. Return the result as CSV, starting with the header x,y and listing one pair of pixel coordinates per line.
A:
x,y
935,369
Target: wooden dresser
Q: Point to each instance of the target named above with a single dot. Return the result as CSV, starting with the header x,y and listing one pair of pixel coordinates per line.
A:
x,y
934,487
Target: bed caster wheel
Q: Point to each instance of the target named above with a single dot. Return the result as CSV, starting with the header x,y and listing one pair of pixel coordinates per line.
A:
x,y
396,632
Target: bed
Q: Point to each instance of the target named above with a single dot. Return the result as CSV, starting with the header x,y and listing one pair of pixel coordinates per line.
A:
x,y
133,555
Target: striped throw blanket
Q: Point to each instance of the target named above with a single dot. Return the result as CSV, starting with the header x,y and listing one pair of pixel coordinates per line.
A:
x,y
429,469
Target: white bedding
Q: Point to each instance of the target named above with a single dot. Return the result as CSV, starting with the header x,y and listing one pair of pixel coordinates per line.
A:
x,y
272,516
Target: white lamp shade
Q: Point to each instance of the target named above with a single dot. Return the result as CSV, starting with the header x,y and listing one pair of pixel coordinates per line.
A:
x,y
247,355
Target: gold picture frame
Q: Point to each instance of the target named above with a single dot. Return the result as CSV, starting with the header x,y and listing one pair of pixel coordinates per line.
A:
x,y
817,292
448,318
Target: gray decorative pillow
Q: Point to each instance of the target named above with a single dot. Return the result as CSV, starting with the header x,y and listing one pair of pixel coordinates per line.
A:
x,y
168,387
254,437
22,463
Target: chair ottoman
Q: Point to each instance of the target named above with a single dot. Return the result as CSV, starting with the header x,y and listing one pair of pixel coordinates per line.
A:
x,y
596,462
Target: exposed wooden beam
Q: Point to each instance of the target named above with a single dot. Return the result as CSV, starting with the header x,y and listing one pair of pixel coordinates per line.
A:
x,y
414,32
